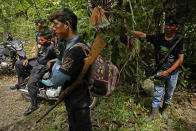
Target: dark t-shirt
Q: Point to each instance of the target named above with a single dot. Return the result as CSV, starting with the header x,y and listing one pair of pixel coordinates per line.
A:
x,y
73,61
45,54
72,64
162,46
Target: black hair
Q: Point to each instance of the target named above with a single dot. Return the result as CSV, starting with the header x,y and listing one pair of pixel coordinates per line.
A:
x,y
47,34
64,15
43,23
172,20
38,21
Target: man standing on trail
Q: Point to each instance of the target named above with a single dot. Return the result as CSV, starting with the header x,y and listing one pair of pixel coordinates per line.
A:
x,y
169,69
67,69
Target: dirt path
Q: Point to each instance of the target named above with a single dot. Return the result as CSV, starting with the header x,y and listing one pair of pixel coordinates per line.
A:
x,y
184,109
12,106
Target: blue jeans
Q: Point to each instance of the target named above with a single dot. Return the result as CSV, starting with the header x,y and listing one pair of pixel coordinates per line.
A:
x,y
170,85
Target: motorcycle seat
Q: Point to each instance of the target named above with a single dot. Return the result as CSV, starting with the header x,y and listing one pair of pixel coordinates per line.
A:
x,y
47,83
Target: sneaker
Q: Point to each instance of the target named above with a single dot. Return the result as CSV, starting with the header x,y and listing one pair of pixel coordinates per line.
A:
x,y
17,87
14,87
30,110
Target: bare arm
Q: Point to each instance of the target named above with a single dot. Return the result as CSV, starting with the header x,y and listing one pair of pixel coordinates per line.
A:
x,y
49,63
138,34
177,63
174,66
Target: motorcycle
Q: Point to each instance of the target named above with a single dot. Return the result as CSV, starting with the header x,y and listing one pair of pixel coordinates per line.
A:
x,y
10,52
47,91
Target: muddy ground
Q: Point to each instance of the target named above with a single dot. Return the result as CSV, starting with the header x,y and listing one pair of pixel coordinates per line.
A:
x,y
13,105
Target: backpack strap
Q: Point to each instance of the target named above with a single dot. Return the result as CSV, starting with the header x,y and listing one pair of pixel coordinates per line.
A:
x,y
84,47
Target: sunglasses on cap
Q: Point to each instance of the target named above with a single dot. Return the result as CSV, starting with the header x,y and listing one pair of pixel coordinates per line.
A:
x,y
43,40
171,26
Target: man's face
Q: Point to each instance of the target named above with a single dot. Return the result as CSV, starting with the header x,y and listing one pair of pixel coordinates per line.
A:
x,y
60,29
170,28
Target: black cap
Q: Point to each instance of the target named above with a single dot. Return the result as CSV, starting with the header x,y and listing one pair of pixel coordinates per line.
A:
x,y
48,34
172,20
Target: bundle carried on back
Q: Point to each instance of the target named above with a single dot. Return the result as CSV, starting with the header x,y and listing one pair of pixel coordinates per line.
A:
x,y
103,78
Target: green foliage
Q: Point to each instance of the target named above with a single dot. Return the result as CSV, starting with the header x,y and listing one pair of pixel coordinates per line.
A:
x,y
134,58
184,78
122,111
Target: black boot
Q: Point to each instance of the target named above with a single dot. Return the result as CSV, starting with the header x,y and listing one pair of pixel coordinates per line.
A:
x,y
164,112
20,85
17,86
32,108
154,114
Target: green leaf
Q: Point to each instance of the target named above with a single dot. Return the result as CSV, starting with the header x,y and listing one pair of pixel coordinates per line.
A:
x,y
30,2
122,54
118,62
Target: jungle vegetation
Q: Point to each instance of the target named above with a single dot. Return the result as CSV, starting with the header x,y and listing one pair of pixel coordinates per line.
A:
x,y
133,57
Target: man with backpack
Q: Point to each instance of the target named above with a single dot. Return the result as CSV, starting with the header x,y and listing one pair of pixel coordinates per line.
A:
x,y
35,67
168,71
68,67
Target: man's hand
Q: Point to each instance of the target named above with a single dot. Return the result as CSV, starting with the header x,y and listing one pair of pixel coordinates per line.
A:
x,y
48,65
138,34
39,46
164,74
25,62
